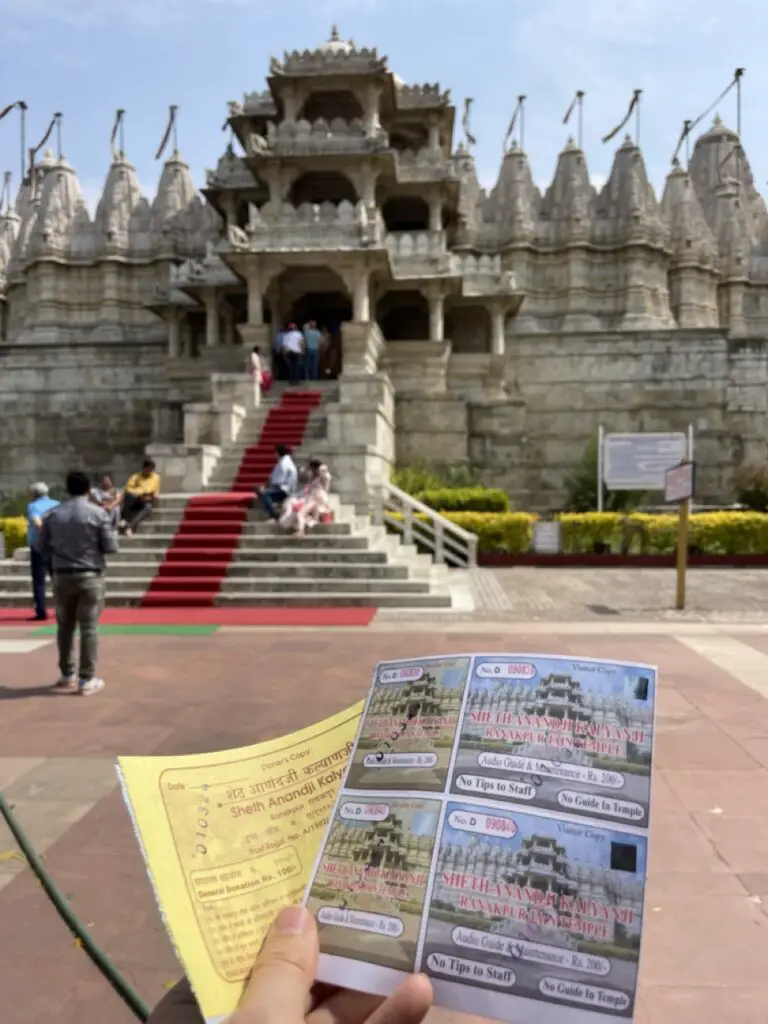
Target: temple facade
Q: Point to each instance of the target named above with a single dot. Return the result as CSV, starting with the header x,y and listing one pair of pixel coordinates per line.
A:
x,y
497,329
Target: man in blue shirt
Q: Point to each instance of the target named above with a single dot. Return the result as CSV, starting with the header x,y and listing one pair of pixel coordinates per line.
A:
x,y
37,509
313,339
283,483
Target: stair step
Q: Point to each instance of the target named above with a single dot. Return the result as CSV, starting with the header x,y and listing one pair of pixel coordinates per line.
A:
x,y
279,543
244,585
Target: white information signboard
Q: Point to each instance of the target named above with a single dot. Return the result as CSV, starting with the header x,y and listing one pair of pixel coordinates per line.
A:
x,y
547,538
639,462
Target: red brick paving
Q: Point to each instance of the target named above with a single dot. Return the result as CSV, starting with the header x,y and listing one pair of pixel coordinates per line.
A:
x,y
706,939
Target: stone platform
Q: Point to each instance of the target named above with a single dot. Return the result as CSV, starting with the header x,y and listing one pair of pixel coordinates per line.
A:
x,y
706,938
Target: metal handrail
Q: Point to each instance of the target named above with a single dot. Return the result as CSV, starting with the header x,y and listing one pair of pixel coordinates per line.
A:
x,y
419,524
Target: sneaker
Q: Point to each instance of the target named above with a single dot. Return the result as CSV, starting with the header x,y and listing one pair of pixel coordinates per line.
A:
x,y
65,683
90,686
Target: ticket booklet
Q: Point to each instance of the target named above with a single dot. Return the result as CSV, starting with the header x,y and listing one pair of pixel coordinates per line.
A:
x,y
492,832
480,818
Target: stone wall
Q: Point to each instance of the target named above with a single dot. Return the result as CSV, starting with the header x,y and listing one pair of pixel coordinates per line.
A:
x,y
562,387
76,405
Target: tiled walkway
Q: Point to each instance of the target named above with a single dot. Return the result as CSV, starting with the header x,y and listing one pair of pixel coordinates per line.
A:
x,y
706,941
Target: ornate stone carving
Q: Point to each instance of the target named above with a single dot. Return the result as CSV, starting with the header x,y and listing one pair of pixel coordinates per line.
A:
x,y
336,57
422,97
289,138
231,173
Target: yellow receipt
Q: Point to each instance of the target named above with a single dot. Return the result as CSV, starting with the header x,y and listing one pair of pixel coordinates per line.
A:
x,y
229,838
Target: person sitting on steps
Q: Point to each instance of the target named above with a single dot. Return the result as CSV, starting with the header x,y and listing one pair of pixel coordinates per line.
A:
x,y
139,497
283,483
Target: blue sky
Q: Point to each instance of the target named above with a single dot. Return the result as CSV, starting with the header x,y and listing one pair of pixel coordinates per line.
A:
x,y
89,57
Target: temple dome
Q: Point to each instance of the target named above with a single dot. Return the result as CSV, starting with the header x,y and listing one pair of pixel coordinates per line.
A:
x,y
336,44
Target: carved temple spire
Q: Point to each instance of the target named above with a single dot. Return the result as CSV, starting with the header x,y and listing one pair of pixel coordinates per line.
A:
x,y
175,194
62,217
122,208
718,155
567,206
513,204
690,239
627,209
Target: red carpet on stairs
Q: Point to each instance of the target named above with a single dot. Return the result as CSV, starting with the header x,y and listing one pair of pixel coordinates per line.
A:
x,y
197,559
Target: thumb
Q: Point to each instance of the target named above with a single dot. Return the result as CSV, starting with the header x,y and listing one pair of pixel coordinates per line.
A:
x,y
284,972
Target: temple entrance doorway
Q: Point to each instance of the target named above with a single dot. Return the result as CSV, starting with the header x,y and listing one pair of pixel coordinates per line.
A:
x,y
329,310
303,294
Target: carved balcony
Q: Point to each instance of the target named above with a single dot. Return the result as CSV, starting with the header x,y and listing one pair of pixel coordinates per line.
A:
x,y
424,165
321,137
482,276
309,227
418,254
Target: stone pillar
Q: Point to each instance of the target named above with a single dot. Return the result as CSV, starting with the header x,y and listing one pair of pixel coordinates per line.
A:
x,y
434,133
498,321
436,317
361,298
211,319
229,325
255,300
174,335
371,100
435,213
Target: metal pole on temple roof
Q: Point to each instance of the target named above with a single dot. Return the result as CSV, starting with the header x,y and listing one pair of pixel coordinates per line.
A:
x,y
23,111
637,117
521,102
175,132
122,135
688,144
58,117
738,75
580,99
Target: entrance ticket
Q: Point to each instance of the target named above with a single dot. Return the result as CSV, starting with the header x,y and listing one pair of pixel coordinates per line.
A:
x,y
492,832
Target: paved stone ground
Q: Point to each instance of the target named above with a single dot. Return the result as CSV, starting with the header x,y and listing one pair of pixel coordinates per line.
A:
x,y
706,941
556,595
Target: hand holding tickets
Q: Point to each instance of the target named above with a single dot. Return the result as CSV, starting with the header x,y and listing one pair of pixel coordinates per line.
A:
x,y
491,832
229,840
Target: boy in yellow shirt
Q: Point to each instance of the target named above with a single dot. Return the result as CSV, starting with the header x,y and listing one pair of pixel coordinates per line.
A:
x,y
139,495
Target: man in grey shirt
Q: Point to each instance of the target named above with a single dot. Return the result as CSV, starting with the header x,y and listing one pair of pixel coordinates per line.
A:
x,y
75,537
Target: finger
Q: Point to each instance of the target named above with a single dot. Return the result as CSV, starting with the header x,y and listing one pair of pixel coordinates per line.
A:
x,y
279,987
409,1004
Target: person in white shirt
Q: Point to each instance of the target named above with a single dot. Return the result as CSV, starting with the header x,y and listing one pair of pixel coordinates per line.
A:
x,y
293,353
283,483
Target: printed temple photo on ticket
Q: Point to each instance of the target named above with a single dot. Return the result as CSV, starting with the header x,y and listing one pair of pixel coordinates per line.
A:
x,y
368,890
409,726
559,733
540,909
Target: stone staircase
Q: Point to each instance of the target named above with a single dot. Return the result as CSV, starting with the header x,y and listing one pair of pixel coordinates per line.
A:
x,y
348,563
214,549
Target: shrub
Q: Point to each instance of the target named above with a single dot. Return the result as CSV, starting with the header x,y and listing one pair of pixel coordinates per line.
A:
x,y
716,533
751,486
506,532
465,499
14,531
425,476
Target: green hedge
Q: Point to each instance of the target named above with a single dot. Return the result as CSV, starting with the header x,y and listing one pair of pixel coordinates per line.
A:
x,y
716,533
465,499
14,530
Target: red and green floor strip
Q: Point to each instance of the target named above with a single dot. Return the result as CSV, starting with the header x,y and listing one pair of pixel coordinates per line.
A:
x,y
202,621
198,558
